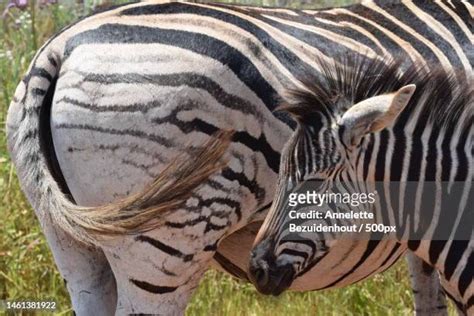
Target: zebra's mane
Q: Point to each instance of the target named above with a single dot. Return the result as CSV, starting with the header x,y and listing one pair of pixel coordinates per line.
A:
x,y
444,99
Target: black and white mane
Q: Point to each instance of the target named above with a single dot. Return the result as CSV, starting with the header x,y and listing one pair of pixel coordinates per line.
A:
x,y
347,80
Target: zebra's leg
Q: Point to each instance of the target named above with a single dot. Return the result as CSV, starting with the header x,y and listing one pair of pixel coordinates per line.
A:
x,y
85,270
428,295
157,272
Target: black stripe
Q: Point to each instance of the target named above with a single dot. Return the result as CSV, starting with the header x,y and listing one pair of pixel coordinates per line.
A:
x,y
222,201
156,289
436,247
288,58
414,172
463,164
40,72
191,222
381,155
207,219
446,161
451,200
211,226
38,92
241,178
198,43
398,154
427,193
177,80
46,141
212,247
396,165
112,131
453,258
165,248
259,144
52,61
134,107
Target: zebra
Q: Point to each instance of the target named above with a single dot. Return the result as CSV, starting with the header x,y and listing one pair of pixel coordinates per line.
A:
x,y
364,122
127,90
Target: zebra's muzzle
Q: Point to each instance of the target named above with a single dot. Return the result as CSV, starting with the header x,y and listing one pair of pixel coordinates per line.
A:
x,y
268,274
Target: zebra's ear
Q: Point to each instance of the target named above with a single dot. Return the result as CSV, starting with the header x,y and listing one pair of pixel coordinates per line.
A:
x,y
373,114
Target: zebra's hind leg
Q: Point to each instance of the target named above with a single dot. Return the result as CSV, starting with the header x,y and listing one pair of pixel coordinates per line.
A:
x,y
85,270
428,295
157,272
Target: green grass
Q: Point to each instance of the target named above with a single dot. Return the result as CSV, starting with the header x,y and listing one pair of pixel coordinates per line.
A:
x,y
26,266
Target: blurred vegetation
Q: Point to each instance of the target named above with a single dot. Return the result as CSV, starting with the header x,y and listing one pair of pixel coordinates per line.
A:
x,y
26,266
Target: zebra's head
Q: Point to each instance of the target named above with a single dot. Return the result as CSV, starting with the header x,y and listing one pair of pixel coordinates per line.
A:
x,y
333,115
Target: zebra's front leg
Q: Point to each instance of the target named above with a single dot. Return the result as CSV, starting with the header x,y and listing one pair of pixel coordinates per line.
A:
x,y
85,270
427,291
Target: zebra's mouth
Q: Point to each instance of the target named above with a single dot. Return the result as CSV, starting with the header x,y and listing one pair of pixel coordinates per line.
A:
x,y
268,275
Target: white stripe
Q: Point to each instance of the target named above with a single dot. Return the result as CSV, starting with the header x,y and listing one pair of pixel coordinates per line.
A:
x,y
438,194
387,174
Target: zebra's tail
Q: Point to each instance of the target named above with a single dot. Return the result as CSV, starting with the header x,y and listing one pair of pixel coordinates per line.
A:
x,y
27,136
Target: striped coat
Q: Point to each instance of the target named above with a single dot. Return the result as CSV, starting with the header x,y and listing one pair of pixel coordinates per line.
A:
x,y
129,89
